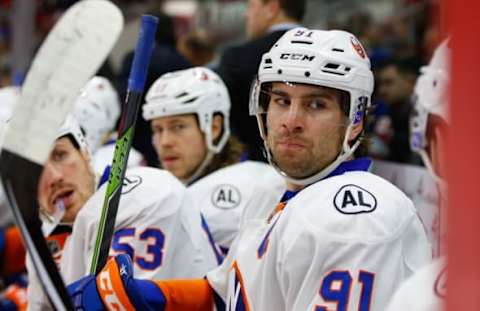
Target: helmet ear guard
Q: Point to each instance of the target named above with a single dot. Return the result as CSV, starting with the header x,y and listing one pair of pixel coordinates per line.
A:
x,y
333,59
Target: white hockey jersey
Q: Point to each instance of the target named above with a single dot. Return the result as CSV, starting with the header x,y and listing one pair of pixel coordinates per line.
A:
x,y
343,243
104,155
223,196
424,291
157,225
418,184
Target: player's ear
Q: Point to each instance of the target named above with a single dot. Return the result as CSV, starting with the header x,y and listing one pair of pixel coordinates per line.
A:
x,y
273,8
217,127
356,131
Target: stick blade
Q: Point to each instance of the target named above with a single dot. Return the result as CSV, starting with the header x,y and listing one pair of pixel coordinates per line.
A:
x,y
73,51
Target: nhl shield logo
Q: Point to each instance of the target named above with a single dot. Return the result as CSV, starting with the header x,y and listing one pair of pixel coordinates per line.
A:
x,y
226,197
352,199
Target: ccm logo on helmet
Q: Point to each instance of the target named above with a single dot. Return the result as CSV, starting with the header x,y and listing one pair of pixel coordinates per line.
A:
x,y
297,56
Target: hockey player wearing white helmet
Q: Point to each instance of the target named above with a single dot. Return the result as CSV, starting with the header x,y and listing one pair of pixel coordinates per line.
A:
x,y
426,289
342,239
97,110
189,112
66,183
156,227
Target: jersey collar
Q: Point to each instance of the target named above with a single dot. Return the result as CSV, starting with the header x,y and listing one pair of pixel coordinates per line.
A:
x,y
360,164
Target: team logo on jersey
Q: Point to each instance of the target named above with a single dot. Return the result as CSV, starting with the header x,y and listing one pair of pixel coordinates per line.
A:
x,y
226,197
352,199
441,284
130,182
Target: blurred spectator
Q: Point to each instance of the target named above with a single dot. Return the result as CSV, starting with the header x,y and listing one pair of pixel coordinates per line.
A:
x,y
266,21
395,82
5,77
196,47
165,58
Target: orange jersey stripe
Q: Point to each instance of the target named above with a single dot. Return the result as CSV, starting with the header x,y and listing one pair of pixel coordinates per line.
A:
x,y
242,285
280,206
187,295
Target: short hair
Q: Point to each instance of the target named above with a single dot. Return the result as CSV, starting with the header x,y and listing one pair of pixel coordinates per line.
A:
x,y
292,8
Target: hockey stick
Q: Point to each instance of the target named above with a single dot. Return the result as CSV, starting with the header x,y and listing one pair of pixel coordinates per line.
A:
x,y
69,56
126,128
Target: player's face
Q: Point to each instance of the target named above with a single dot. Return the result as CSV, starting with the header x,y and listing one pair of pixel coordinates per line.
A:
x,y
66,178
180,144
305,127
256,21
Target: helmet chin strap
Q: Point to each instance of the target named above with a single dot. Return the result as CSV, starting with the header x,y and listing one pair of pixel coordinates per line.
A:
x,y
346,152
200,169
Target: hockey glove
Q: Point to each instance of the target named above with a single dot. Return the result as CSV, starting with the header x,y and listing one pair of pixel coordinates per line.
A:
x,y
14,298
115,289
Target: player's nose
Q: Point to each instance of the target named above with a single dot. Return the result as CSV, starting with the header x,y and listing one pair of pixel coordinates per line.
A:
x,y
52,173
294,118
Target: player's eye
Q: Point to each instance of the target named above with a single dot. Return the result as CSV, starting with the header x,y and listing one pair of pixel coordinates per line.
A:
x,y
157,130
177,127
316,104
281,100
59,155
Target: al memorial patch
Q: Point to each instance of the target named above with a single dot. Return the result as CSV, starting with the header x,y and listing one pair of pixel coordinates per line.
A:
x,y
226,197
352,199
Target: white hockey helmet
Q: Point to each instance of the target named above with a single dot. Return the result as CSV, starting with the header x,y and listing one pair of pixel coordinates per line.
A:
x,y
8,99
333,59
197,91
430,96
71,127
97,110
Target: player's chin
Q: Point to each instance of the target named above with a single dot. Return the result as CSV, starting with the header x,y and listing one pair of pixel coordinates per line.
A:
x,y
293,167
70,214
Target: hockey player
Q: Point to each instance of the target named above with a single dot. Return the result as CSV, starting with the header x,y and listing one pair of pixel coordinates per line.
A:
x,y
66,183
426,289
157,225
97,109
342,239
189,113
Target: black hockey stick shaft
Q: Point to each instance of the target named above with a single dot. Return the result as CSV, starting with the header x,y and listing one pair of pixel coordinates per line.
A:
x,y
136,84
21,189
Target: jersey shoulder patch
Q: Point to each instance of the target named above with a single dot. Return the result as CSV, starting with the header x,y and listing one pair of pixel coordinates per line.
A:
x,y
355,205
226,196
353,199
